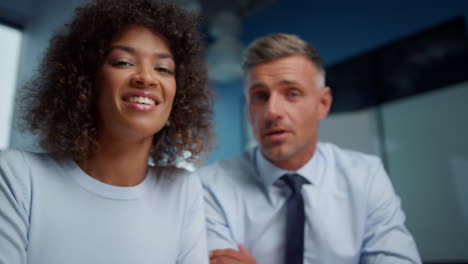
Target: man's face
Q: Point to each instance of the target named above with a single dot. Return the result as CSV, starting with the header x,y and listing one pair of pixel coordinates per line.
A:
x,y
285,104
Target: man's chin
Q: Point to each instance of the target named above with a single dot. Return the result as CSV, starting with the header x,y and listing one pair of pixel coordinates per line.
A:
x,y
276,153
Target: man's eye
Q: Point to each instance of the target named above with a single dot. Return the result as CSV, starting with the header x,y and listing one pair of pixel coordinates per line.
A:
x,y
293,94
260,97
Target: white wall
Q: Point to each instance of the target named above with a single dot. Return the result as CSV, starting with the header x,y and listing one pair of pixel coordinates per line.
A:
x,y
10,46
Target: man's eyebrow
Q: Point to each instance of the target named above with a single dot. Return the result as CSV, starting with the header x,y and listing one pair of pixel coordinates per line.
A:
x,y
257,85
132,51
282,82
288,82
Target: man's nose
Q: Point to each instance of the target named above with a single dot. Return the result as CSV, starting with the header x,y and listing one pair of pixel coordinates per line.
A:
x,y
275,107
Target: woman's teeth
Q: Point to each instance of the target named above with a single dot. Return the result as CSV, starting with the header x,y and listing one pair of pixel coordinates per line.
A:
x,y
141,100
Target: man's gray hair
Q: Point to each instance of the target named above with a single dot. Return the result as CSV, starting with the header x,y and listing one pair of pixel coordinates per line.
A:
x,y
279,45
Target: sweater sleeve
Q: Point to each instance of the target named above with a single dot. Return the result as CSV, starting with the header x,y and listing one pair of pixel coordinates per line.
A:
x,y
14,207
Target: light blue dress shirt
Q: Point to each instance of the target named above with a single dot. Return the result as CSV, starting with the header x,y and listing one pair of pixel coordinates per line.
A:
x,y
352,212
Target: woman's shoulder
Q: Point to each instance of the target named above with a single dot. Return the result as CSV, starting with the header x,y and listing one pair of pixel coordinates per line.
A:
x,y
12,156
14,160
15,174
20,166
173,174
22,160
178,178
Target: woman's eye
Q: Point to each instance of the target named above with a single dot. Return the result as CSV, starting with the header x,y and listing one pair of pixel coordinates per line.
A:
x,y
121,63
164,70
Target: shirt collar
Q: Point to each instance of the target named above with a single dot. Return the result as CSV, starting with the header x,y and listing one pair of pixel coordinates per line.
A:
x,y
270,173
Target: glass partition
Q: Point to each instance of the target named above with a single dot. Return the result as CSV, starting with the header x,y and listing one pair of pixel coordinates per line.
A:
x,y
423,141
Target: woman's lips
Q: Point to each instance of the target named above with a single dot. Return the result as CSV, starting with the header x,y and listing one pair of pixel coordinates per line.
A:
x,y
140,107
140,100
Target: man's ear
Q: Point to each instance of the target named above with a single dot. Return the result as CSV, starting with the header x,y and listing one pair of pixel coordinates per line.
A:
x,y
325,102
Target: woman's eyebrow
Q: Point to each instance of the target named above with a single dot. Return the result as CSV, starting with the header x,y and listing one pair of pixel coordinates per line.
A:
x,y
124,48
161,55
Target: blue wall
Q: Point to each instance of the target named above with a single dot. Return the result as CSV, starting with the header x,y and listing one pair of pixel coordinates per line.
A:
x,y
229,120
341,29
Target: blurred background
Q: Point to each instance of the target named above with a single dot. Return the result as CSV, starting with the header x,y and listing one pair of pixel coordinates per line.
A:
x,y
398,71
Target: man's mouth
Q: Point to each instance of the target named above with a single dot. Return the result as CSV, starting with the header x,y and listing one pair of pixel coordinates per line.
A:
x,y
275,134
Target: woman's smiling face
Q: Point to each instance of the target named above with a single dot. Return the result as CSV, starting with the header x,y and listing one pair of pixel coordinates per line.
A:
x,y
136,85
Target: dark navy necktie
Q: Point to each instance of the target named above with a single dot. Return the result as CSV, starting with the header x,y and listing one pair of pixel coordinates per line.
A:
x,y
296,220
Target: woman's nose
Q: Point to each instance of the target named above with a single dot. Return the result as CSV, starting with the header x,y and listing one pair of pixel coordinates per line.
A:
x,y
144,77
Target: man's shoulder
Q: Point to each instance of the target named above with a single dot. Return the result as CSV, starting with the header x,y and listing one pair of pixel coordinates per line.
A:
x,y
232,171
346,159
355,170
338,154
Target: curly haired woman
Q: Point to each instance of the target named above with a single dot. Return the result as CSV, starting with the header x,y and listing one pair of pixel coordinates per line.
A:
x,y
122,84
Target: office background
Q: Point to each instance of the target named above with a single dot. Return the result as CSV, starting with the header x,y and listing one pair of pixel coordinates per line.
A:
x,y
422,136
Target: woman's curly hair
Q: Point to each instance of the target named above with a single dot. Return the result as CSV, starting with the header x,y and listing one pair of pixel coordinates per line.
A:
x,y
61,102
